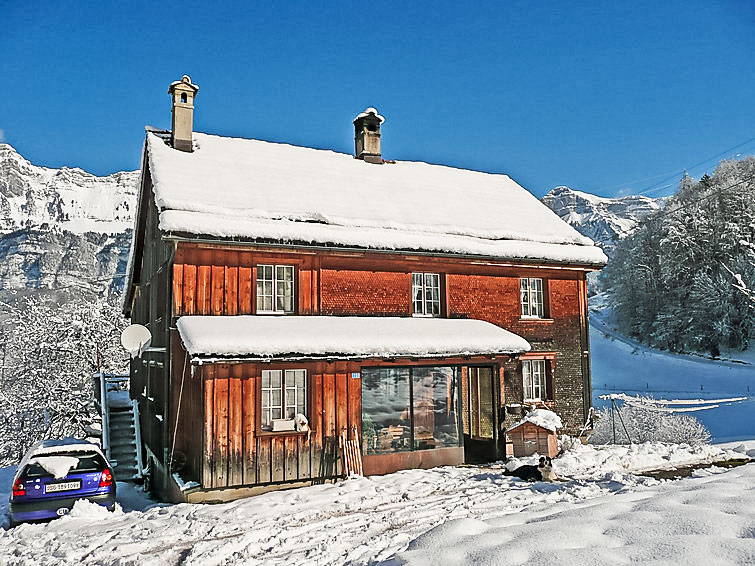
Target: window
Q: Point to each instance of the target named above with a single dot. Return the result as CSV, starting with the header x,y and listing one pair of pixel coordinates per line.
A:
x,y
533,372
275,288
284,394
426,294
406,409
532,297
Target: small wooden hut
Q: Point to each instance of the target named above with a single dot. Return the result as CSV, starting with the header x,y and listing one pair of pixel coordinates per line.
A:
x,y
535,434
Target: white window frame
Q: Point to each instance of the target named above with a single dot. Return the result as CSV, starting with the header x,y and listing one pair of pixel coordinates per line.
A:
x,y
534,376
276,283
288,408
532,297
422,283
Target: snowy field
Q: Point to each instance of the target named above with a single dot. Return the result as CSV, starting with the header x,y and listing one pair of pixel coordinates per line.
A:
x,y
620,365
479,515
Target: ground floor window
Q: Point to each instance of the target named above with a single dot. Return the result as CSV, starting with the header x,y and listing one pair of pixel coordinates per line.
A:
x,y
407,409
533,372
283,394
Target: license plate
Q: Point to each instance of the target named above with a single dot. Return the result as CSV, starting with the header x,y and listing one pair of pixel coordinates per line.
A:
x,y
66,486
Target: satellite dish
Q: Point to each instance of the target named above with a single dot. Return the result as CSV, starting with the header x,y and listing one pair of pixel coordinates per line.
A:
x,y
135,339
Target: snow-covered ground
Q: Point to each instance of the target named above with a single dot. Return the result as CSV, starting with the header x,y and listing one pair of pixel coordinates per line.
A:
x,y
620,365
369,520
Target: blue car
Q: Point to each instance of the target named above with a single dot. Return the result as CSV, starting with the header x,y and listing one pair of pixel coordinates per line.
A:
x,y
54,474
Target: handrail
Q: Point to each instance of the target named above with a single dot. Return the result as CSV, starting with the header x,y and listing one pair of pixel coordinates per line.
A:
x,y
105,409
138,433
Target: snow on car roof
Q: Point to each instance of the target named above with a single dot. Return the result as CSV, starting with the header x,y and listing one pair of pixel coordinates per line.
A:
x,y
55,446
243,188
322,336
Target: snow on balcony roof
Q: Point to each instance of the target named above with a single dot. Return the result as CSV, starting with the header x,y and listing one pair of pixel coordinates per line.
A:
x,y
263,337
240,188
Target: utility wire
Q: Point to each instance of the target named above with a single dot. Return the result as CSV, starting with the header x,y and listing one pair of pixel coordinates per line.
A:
x,y
676,172
715,192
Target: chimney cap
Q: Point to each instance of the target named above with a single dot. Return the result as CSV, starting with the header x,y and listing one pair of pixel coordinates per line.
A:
x,y
370,111
185,82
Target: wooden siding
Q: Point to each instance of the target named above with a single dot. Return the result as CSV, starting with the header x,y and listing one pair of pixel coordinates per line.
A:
x,y
237,452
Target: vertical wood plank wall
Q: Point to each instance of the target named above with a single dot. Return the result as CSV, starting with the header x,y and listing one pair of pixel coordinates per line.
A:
x,y
221,282
237,453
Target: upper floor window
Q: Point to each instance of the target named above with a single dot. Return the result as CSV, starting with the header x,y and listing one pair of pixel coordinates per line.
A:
x,y
532,297
534,375
426,294
275,289
284,395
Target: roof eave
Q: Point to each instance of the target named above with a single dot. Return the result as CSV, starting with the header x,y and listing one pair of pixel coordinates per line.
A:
x,y
241,241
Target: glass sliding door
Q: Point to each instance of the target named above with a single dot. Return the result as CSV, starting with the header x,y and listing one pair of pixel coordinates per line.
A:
x,y
435,417
409,409
386,410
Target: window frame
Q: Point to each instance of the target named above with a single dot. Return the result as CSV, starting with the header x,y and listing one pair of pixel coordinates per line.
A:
x,y
526,294
424,301
284,402
274,282
529,376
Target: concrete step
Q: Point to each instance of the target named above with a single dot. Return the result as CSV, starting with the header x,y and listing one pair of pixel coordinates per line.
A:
x,y
121,451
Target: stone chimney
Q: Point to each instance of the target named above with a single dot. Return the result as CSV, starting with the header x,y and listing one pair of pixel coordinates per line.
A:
x,y
367,136
183,93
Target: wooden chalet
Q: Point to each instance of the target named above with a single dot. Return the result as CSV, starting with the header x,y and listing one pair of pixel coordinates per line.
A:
x,y
296,295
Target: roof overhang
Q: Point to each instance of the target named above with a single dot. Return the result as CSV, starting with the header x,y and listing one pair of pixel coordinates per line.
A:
x,y
267,338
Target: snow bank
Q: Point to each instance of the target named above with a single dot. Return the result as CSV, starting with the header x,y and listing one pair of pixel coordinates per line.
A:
x,y
235,187
702,521
542,418
279,336
364,521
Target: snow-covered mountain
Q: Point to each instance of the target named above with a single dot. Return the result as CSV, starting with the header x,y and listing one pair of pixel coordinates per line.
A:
x,y
62,228
604,220
70,198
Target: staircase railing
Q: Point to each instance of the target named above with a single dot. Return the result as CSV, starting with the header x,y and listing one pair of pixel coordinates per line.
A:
x,y
105,412
138,437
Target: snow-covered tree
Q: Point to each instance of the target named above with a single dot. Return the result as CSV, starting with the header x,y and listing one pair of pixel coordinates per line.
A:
x,y
683,280
49,352
646,425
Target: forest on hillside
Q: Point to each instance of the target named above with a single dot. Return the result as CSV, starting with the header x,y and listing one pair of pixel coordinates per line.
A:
x,y
681,281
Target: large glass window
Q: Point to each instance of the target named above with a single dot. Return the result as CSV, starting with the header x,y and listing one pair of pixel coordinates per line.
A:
x,y
275,288
426,294
284,394
409,409
532,297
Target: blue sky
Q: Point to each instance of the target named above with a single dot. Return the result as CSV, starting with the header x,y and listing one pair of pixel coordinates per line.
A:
x,y
610,99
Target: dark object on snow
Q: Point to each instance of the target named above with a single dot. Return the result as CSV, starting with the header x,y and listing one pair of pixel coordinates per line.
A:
x,y
544,470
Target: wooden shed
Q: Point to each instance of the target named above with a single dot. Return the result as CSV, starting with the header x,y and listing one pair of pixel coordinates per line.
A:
x,y
535,434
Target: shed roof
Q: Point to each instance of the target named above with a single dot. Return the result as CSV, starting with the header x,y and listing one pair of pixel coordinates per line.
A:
x,y
266,337
251,189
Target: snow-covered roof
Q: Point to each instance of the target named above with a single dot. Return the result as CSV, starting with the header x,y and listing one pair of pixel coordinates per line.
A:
x,y
250,189
345,337
541,417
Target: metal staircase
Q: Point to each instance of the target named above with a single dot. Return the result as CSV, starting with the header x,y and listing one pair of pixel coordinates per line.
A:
x,y
121,434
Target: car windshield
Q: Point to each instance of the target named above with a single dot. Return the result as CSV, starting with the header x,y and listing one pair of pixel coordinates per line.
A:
x,y
87,462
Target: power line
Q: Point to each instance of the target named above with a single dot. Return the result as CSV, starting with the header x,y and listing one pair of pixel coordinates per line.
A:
x,y
716,192
676,172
